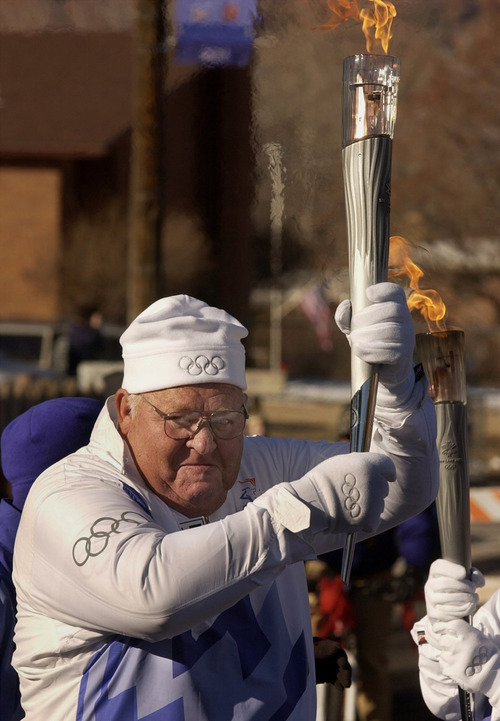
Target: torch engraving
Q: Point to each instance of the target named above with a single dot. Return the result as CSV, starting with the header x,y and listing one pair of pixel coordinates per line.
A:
x,y
369,102
442,355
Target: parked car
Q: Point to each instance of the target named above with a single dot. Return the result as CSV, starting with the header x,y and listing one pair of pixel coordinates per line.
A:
x,y
34,349
40,349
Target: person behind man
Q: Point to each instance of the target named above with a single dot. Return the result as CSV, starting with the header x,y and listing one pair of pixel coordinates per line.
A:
x,y
30,444
159,570
374,591
84,337
454,653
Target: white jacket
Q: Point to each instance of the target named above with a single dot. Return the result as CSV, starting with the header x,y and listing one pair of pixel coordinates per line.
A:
x,y
440,692
123,616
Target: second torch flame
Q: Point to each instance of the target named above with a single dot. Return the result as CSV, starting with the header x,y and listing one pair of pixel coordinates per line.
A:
x,y
428,302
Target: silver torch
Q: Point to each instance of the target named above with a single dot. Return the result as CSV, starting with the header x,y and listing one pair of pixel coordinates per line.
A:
x,y
369,104
442,354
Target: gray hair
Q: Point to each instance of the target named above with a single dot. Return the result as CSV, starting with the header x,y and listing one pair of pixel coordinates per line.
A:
x,y
133,401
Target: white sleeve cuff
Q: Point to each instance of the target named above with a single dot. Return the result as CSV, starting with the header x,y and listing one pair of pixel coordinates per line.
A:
x,y
288,510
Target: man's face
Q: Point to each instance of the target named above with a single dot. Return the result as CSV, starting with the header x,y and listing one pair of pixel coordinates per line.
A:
x,y
191,475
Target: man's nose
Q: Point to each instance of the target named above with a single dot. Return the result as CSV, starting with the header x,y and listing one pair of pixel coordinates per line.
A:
x,y
203,440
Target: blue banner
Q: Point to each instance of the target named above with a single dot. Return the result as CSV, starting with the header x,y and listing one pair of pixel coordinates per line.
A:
x,y
215,33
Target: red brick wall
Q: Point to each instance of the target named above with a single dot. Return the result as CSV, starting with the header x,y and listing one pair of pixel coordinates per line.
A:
x,y
29,243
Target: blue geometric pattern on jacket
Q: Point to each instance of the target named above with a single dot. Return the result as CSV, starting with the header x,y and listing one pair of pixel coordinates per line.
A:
x,y
228,671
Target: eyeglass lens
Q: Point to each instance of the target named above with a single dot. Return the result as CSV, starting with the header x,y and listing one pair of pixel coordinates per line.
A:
x,y
223,424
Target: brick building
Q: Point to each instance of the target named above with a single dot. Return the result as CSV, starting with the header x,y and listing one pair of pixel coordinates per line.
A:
x,y
66,85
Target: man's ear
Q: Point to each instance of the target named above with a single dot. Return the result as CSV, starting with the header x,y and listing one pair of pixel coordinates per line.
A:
x,y
123,410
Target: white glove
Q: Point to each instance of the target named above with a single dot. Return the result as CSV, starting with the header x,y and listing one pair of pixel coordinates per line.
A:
x,y
449,594
469,657
438,690
383,334
343,494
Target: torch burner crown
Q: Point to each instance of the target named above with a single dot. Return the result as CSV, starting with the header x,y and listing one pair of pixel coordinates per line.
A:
x,y
442,354
370,84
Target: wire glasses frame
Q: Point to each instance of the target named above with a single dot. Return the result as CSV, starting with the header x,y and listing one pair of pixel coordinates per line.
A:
x,y
184,424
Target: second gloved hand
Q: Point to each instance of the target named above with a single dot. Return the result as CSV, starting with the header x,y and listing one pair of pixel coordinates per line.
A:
x,y
449,594
470,658
383,334
342,494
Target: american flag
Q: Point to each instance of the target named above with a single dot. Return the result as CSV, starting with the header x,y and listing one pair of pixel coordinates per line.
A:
x,y
317,310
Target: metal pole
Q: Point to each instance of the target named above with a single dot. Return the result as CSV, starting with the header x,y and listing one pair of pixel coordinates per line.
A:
x,y
275,155
146,181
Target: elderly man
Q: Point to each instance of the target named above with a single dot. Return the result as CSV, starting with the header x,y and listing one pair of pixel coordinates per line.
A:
x,y
159,570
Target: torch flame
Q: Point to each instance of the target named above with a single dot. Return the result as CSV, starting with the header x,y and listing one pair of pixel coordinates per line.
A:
x,y
428,302
376,20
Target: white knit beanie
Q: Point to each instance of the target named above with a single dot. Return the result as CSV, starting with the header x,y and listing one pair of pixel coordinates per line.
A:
x,y
181,341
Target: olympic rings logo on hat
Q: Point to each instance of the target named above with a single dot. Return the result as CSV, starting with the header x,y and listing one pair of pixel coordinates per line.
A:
x,y
202,364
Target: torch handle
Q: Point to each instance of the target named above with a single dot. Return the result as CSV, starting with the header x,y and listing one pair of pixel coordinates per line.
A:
x,y
453,500
466,711
367,173
362,412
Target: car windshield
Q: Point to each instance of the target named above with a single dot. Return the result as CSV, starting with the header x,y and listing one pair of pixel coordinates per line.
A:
x,y
21,347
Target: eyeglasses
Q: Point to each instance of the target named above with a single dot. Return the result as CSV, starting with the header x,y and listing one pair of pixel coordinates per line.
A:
x,y
180,425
